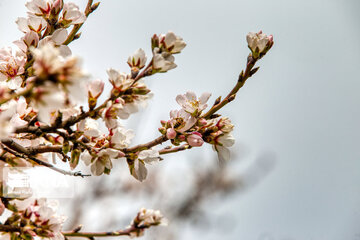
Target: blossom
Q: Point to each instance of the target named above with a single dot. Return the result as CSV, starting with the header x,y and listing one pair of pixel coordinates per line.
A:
x,y
32,23
121,137
7,110
221,146
258,42
90,127
172,43
39,7
149,217
11,67
95,88
191,104
57,39
145,156
181,121
71,15
137,59
195,139
42,215
102,162
121,81
163,61
31,38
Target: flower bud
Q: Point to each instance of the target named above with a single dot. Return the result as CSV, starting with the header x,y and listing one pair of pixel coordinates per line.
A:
x,y
259,43
195,140
170,133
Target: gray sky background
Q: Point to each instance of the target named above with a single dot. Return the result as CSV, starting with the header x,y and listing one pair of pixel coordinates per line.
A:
x,y
302,105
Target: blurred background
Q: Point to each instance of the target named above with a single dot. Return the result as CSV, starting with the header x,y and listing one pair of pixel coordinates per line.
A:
x,y
295,168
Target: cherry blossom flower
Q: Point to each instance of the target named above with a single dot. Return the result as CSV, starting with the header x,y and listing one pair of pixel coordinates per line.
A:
x,y
137,59
11,67
71,15
221,146
120,81
7,110
163,61
149,217
90,127
146,156
95,88
172,43
31,39
121,137
102,162
39,7
181,121
191,104
42,214
57,39
258,42
32,23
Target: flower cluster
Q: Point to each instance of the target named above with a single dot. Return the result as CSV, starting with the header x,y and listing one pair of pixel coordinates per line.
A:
x,y
37,218
42,87
164,46
145,219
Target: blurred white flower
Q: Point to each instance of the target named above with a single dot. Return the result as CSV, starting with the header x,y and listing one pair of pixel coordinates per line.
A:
x,y
11,67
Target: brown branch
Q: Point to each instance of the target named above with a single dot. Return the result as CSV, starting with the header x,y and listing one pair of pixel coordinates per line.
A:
x,y
19,151
174,149
125,232
145,146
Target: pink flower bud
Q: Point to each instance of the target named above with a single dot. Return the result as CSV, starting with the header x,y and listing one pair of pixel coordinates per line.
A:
x,y
202,122
170,133
181,138
195,140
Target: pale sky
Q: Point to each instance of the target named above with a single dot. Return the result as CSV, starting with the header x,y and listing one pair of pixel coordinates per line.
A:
x,y
302,106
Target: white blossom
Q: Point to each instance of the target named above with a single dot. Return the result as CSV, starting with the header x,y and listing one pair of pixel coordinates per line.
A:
x,y
11,67
146,156
148,217
258,41
95,88
181,121
137,59
191,104
121,137
102,161
90,127
173,43
119,80
32,23
71,14
163,61
221,146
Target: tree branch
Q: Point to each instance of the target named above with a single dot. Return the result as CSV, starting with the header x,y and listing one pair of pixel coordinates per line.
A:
x,y
19,151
